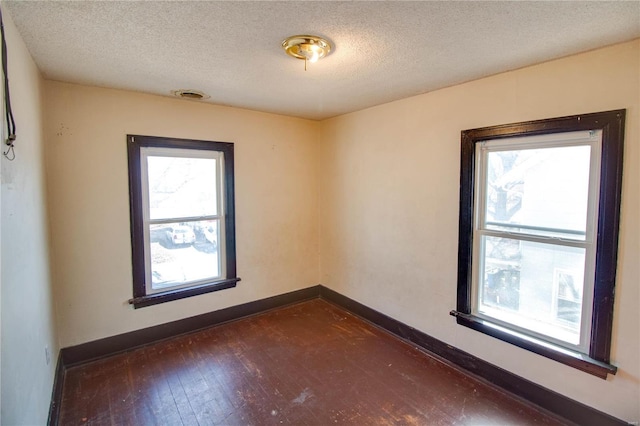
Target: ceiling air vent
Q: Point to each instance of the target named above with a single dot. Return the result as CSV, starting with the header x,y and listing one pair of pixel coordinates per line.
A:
x,y
190,94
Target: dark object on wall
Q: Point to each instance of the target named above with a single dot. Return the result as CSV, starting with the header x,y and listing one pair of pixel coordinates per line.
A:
x,y
11,124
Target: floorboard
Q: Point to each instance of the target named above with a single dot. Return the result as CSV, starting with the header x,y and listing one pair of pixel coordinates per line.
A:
x,y
308,364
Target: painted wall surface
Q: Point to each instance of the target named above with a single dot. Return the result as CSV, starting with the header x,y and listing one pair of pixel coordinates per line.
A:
x,y
276,203
389,202
27,310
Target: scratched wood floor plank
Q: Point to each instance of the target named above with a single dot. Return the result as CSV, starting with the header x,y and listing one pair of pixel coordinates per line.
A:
x,y
308,364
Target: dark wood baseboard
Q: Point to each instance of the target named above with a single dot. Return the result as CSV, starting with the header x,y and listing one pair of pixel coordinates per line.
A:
x,y
56,395
547,399
101,348
552,401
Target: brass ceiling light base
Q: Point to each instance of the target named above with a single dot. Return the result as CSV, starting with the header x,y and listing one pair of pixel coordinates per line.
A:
x,y
307,47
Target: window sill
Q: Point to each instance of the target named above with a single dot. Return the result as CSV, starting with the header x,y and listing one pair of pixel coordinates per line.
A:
x,y
167,296
563,355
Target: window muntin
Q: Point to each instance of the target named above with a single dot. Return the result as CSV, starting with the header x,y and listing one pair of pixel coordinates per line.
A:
x,y
536,196
596,235
182,218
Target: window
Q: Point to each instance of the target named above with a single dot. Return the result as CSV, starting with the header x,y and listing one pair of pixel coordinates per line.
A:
x,y
539,213
182,218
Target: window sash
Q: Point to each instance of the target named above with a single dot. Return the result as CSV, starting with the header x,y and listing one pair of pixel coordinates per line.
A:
x,y
590,138
586,307
218,156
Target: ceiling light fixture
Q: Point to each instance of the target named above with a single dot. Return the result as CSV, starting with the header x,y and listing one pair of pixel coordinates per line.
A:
x,y
307,47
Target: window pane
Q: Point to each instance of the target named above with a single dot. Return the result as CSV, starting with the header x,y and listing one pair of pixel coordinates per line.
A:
x,y
545,191
534,286
181,187
183,253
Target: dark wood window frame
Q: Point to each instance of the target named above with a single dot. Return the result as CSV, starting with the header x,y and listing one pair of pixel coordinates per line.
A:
x,y
597,361
140,297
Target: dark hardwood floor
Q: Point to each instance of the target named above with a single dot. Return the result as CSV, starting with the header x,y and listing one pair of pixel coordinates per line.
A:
x,y
307,364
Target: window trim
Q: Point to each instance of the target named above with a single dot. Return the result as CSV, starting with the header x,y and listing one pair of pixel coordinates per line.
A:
x,y
140,296
611,123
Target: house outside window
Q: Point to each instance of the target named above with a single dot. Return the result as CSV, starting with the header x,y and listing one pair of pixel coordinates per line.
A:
x,y
182,218
539,220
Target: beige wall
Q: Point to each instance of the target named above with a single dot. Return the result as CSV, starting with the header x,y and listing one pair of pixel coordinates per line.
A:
x,y
389,203
276,203
27,316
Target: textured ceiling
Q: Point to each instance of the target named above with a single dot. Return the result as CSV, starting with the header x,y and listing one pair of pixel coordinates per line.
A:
x,y
383,51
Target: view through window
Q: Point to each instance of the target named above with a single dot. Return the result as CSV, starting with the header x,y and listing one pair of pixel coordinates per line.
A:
x,y
184,216
532,235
